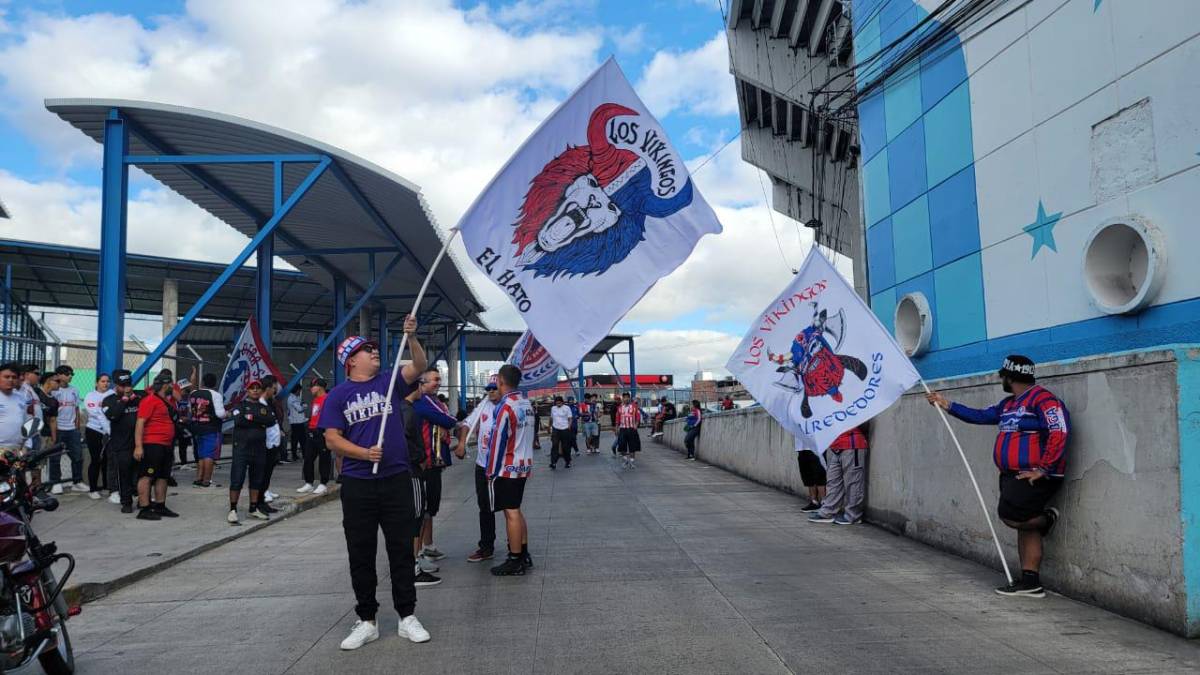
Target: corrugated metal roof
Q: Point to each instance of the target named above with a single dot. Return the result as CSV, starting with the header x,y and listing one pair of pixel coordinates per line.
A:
x,y
52,275
496,345
328,216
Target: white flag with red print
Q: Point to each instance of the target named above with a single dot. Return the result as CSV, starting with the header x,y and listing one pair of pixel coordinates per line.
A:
x,y
819,360
587,216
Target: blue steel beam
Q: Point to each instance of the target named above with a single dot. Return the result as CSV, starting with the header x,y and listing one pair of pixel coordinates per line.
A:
x,y
382,318
462,369
347,315
449,341
382,224
582,383
211,184
265,268
114,197
632,372
268,228
220,159
339,319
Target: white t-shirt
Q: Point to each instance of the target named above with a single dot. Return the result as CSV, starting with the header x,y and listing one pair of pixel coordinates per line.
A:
x,y
68,407
481,416
94,404
14,410
274,434
560,417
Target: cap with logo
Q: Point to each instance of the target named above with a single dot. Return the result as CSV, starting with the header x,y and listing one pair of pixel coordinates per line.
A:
x,y
1017,368
122,378
350,347
162,378
490,386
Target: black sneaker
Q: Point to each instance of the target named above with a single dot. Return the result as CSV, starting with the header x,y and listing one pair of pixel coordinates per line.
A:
x,y
527,560
197,483
163,511
568,465
426,579
1052,516
148,514
171,482
127,508
512,567
267,508
1022,588
810,507
552,467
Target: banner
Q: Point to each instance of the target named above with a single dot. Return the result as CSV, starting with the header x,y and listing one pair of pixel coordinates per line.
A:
x,y
593,209
819,360
249,361
538,368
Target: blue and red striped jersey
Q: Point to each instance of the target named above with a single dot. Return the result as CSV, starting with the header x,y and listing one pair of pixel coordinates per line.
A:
x,y
1033,431
510,442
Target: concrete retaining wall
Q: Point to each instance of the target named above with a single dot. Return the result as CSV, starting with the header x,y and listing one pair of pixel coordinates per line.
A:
x,y
1121,541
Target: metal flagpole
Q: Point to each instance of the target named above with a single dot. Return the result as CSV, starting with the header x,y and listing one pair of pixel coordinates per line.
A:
x,y
387,409
982,504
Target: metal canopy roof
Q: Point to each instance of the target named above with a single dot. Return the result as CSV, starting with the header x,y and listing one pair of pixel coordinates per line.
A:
x,y
68,276
496,345
392,218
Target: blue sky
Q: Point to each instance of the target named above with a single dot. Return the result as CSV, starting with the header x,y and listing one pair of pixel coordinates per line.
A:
x,y
395,83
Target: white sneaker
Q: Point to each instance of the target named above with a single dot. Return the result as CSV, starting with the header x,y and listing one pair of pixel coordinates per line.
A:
x,y
269,497
57,489
432,552
364,632
320,489
94,495
232,517
114,498
426,565
261,515
80,487
411,629
305,489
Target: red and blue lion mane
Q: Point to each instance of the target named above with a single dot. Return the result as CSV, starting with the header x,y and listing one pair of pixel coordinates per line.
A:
x,y
596,252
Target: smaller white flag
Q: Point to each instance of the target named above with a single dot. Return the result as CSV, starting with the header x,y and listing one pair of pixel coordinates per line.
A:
x,y
819,360
538,368
248,363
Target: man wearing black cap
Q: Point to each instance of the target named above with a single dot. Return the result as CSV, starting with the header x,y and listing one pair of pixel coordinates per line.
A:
x,y
1030,452
121,409
153,444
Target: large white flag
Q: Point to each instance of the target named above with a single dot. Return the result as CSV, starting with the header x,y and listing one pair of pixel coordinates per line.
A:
x,y
587,216
818,360
538,368
249,362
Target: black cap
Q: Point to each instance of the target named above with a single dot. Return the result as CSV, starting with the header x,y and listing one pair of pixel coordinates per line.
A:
x,y
122,378
1018,368
163,378
319,382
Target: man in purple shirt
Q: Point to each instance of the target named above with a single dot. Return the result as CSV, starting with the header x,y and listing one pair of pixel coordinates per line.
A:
x,y
386,499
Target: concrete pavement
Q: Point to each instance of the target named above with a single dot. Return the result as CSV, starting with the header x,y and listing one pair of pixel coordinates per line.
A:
x,y
675,567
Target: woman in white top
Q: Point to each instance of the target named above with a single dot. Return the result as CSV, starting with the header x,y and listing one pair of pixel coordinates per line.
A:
x,y
96,435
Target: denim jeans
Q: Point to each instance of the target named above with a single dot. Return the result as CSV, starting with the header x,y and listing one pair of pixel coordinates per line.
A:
x,y
74,444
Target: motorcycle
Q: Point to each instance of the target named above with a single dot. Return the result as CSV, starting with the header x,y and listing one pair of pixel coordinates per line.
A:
x,y
33,611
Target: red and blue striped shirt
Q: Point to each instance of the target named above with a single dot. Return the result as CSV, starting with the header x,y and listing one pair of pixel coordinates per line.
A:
x,y
510,442
1033,431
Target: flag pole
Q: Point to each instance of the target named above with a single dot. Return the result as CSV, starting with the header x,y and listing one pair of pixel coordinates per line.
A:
x,y
982,504
387,409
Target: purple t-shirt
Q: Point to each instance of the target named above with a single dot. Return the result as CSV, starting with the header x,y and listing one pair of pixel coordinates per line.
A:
x,y
355,409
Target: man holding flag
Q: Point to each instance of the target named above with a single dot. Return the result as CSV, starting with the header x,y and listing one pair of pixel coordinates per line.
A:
x,y
372,501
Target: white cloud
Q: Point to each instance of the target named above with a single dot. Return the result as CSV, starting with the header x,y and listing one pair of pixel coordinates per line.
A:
x,y
696,81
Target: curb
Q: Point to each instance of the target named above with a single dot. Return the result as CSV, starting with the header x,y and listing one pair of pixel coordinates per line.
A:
x,y
78,594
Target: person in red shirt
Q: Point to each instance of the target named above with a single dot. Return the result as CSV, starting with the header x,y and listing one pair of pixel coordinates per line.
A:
x,y
315,450
154,438
846,479
629,443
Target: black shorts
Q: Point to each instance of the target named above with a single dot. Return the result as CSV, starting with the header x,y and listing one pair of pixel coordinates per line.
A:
x,y
629,441
156,462
506,493
431,489
1020,500
812,472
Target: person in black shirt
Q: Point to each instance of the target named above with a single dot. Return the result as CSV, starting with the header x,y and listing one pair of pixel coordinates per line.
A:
x,y
251,419
121,408
207,409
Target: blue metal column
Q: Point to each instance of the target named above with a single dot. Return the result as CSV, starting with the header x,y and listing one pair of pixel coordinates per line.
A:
x,y
8,311
582,384
264,272
110,333
462,371
339,319
632,372
384,352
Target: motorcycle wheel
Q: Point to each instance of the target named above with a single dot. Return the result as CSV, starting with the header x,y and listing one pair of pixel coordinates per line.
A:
x,y
60,661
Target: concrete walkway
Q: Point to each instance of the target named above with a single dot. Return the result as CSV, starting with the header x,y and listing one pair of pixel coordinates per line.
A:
x,y
675,567
114,549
